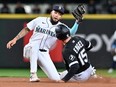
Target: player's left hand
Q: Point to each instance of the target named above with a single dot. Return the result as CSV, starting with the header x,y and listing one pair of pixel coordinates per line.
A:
x,y
78,12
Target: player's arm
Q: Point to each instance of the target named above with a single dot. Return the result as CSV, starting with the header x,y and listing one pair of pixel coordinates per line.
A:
x,y
74,29
71,60
21,34
73,69
88,45
78,15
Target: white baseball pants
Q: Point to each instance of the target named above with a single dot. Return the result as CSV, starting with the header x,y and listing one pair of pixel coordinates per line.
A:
x,y
42,59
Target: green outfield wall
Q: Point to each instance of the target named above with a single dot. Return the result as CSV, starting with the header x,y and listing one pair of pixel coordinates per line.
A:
x,y
96,28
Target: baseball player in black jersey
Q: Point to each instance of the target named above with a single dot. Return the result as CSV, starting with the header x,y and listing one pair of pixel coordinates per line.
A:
x,y
78,67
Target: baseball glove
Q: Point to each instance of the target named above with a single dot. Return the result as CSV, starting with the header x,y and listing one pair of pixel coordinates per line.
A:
x,y
78,12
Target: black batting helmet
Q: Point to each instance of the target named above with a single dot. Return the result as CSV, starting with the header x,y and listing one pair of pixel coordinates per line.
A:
x,y
62,32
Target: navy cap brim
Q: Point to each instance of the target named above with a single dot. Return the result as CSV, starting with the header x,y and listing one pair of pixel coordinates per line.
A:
x,y
59,11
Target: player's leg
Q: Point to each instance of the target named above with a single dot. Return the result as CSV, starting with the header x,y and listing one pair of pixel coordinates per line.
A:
x,y
83,76
32,53
47,66
33,68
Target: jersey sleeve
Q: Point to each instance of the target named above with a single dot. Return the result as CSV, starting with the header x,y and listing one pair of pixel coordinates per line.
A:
x,y
73,69
88,45
74,29
71,61
31,25
70,58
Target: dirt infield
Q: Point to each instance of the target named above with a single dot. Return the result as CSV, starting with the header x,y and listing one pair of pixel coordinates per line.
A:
x,y
24,82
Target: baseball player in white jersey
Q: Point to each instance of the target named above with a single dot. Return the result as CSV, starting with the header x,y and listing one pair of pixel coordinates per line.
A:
x,y
40,43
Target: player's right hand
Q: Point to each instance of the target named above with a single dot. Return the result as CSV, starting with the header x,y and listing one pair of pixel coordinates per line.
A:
x,y
11,43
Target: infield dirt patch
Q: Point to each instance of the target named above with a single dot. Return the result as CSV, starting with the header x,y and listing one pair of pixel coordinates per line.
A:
x,y
45,82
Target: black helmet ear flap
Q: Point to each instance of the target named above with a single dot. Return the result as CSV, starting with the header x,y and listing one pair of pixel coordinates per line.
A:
x,y
62,32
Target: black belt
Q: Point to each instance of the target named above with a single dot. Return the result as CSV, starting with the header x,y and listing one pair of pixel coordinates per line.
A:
x,y
43,50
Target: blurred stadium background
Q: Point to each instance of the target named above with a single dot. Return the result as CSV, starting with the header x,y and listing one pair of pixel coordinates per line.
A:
x,y
98,27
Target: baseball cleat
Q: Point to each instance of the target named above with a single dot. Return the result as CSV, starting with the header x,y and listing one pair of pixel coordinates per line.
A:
x,y
34,78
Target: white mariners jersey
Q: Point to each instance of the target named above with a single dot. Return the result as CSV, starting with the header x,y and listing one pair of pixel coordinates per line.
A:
x,y
43,32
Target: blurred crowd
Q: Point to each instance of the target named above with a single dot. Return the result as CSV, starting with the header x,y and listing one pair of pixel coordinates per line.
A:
x,y
103,7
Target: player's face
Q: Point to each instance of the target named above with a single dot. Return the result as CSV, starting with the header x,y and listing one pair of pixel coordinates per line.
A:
x,y
56,16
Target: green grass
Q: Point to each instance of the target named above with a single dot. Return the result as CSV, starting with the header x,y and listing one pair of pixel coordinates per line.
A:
x,y
25,73
104,72
18,73
14,72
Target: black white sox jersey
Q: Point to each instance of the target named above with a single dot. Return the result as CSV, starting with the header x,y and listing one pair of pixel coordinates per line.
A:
x,y
75,56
